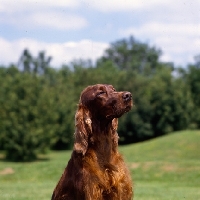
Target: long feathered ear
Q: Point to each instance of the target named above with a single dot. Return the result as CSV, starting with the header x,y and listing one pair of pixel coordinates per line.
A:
x,y
115,134
83,129
115,124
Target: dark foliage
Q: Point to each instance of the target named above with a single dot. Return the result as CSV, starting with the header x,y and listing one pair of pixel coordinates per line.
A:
x,y
38,103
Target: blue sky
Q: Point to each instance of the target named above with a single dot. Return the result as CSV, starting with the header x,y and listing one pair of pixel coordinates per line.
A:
x,y
72,29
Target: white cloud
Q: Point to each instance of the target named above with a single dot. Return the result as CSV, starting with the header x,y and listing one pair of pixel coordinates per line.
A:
x,y
156,29
10,6
179,42
50,19
172,26
123,5
142,6
61,52
33,14
102,5
57,20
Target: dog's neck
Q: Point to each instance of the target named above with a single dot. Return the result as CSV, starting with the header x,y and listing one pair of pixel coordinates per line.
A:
x,y
102,126
104,139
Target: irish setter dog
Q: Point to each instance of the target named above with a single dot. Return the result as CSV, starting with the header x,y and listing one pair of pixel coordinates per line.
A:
x,y
96,170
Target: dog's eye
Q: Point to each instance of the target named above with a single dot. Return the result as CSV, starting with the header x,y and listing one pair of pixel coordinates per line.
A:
x,y
100,93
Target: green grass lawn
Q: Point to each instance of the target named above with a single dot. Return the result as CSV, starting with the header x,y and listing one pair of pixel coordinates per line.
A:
x,y
166,168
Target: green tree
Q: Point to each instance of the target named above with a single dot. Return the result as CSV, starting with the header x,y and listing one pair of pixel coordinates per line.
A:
x,y
135,126
22,128
130,54
171,103
193,80
38,102
64,107
35,65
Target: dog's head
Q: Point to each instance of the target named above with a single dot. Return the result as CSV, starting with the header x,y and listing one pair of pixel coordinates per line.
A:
x,y
99,102
104,102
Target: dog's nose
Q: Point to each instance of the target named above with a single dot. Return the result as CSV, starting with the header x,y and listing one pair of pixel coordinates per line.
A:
x,y
126,96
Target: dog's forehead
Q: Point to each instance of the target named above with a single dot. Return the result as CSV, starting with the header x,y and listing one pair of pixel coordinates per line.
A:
x,y
90,92
103,87
94,88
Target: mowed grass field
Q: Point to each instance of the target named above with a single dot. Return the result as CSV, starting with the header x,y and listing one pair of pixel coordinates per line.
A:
x,y
166,168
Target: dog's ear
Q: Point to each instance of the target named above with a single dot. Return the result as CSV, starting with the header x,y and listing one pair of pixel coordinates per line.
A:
x,y
114,124
115,134
83,129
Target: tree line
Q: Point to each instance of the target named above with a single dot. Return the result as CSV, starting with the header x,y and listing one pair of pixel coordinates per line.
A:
x,y
38,102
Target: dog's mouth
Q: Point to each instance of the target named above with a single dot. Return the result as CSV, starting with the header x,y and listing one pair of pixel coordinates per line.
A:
x,y
124,110
119,112
127,108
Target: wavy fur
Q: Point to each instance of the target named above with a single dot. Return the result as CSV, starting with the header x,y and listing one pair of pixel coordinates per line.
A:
x,y
96,170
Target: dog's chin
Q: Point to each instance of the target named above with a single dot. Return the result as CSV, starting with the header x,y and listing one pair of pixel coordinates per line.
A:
x,y
119,113
125,110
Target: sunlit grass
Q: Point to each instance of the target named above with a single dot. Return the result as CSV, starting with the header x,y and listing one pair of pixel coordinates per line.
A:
x,y
166,168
